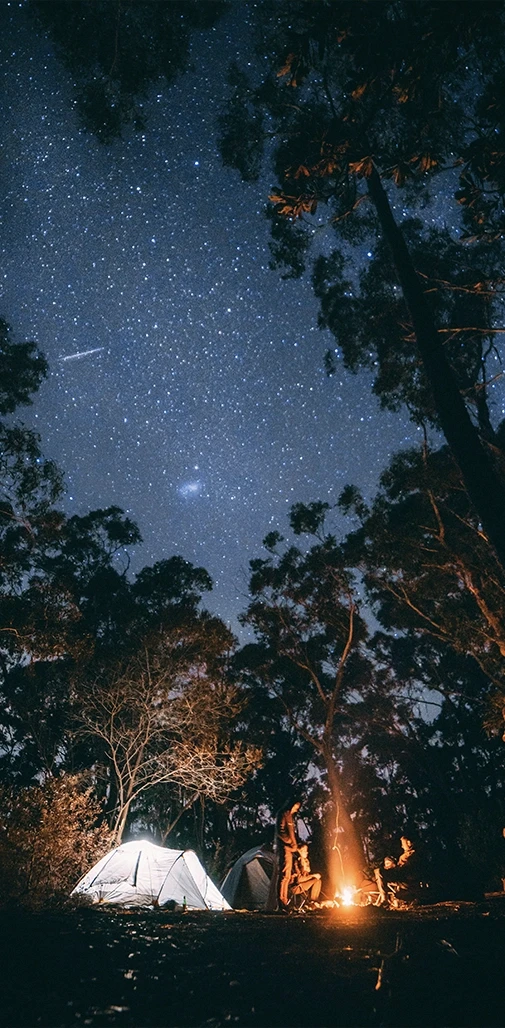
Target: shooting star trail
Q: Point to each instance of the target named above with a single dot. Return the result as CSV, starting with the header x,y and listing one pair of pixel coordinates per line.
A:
x,y
82,353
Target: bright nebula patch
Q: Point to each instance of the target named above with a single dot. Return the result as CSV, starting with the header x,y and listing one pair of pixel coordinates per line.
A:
x,y
191,489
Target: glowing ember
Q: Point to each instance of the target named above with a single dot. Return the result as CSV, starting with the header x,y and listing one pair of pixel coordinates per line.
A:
x,y
347,895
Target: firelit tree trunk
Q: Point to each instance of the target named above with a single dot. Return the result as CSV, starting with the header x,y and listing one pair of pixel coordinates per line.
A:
x,y
120,823
482,482
346,854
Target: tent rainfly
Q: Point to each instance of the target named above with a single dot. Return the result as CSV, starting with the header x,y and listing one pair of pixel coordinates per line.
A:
x,y
140,874
250,883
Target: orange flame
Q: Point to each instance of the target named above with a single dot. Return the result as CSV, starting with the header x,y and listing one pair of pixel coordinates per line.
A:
x,y
347,895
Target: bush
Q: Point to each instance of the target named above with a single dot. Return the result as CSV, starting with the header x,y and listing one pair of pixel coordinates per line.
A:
x,y
49,836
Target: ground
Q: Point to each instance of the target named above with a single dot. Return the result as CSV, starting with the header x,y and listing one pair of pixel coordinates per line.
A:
x,y
433,966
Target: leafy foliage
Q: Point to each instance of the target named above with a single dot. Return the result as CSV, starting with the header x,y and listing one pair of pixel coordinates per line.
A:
x,y
22,368
241,128
427,566
115,52
464,296
309,654
163,716
364,107
362,101
49,837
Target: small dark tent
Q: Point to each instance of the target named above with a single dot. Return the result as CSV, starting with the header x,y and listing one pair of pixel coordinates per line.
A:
x,y
247,886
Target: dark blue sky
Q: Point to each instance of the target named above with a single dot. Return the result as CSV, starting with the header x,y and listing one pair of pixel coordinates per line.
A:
x,y
199,403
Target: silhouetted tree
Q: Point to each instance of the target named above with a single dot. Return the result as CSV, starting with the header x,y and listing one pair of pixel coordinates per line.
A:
x,y
309,654
358,95
164,715
427,565
116,51
22,368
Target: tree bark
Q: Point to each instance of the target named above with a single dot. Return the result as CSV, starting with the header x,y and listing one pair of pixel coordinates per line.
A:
x,y
120,825
346,856
483,483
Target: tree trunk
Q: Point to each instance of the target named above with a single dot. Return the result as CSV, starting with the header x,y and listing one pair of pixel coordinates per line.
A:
x,y
170,827
483,484
346,857
120,824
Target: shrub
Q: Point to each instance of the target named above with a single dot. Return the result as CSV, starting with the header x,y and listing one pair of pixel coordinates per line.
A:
x,y
49,836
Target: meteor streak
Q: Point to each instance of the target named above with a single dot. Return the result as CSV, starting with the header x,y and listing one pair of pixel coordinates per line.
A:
x,y
82,353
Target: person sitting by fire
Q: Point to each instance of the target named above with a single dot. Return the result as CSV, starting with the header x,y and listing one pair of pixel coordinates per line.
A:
x,y
304,879
406,872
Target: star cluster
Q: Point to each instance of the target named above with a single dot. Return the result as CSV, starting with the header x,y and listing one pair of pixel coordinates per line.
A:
x,y
186,378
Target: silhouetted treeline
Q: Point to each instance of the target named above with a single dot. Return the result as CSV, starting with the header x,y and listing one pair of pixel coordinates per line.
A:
x,y
374,686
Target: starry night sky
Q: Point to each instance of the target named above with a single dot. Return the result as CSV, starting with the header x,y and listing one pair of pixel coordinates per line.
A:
x,y
199,402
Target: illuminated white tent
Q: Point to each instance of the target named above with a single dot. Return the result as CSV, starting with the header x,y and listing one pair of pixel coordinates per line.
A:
x,y
140,874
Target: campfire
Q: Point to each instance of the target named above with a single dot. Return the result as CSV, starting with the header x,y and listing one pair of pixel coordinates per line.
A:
x,y
346,873
347,895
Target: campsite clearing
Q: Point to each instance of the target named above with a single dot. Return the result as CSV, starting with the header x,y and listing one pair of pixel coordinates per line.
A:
x,y
441,965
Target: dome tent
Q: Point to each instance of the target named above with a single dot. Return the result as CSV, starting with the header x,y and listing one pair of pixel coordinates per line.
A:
x,y
140,874
250,882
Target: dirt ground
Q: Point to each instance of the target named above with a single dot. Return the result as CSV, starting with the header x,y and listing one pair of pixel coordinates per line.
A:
x,y
433,966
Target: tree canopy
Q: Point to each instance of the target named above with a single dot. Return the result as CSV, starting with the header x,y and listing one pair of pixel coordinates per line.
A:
x,y
361,101
115,52
377,656
123,677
